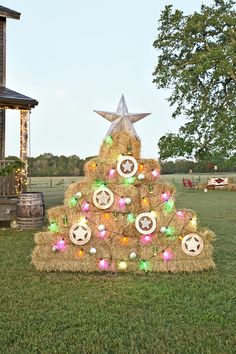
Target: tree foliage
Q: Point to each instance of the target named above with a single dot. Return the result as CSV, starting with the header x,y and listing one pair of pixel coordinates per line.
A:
x,y
197,61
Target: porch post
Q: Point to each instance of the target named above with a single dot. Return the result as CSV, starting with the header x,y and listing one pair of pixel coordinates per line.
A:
x,y
24,123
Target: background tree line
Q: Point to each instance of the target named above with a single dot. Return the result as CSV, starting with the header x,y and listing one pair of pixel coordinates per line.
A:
x,y
50,165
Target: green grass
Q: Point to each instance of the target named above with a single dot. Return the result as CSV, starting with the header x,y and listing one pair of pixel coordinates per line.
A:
x,y
156,313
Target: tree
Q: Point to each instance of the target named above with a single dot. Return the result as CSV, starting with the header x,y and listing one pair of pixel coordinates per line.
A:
x,y
197,61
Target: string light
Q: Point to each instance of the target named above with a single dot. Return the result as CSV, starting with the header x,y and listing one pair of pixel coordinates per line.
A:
x,y
79,253
125,240
53,227
85,206
145,239
128,181
155,173
112,172
109,140
144,265
103,264
167,255
169,205
128,200
130,217
98,183
122,265
122,203
59,245
93,250
165,196
133,255
73,201
180,214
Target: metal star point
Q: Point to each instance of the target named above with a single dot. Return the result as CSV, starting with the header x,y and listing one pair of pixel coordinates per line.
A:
x,y
122,120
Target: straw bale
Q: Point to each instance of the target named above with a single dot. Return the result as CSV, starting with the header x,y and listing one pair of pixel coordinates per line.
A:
x,y
123,143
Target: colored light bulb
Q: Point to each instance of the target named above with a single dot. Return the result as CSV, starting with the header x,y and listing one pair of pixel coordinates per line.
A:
x,y
122,203
167,255
73,201
165,196
109,140
53,227
102,234
103,264
122,265
144,265
128,181
180,214
112,172
60,244
130,217
155,173
93,250
85,206
145,239
125,240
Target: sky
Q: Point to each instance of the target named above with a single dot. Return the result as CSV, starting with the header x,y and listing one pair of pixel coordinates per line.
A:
x,y
77,56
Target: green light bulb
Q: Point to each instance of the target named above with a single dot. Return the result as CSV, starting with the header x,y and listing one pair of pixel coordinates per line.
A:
x,y
53,227
73,202
109,140
169,205
130,217
128,181
144,265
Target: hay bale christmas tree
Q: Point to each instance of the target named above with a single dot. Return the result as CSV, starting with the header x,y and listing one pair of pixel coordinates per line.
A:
x,y
121,218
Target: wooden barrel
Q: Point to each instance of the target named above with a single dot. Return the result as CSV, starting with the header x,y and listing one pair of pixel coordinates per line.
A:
x,y
30,210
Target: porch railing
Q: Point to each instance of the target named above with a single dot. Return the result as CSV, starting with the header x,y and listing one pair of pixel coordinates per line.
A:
x,y
8,183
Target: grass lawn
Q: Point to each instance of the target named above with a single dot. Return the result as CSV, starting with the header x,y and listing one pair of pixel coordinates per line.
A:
x,y
154,313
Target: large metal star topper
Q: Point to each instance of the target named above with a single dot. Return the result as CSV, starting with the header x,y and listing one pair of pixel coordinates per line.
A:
x,y
122,120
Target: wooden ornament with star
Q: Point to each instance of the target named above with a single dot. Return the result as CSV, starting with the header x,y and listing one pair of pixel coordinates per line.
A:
x,y
127,166
192,244
103,198
145,223
80,234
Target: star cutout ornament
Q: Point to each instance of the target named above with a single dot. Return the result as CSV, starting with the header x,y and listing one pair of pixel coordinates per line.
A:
x,y
145,223
192,244
103,198
80,234
122,120
127,166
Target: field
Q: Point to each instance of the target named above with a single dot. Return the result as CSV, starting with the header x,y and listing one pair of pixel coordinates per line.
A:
x,y
98,313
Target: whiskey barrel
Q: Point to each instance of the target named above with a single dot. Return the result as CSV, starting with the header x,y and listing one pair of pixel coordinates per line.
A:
x,y
30,210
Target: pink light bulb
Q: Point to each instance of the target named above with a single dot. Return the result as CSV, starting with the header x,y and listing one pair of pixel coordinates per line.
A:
x,y
112,172
165,196
180,214
103,264
85,206
102,234
167,255
146,239
155,173
122,203
60,244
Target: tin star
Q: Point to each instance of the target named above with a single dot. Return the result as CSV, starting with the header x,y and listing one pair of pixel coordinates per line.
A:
x,y
103,198
127,166
80,233
122,120
192,244
145,223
